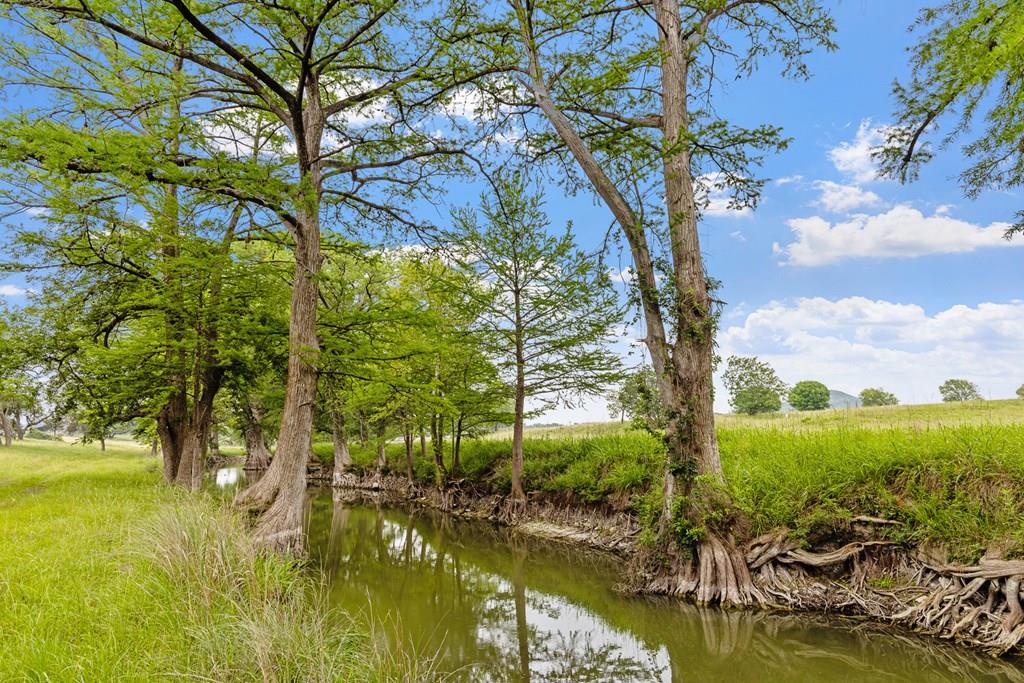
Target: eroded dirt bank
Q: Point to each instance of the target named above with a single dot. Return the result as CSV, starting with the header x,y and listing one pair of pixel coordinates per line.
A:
x,y
854,573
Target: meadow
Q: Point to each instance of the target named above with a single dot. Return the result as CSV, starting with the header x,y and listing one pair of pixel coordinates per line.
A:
x,y
107,574
948,475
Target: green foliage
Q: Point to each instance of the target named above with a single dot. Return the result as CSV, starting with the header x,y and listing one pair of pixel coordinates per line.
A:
x,y
638,399
755,400
809,395
959,390
947,472
546,309
749,372
967,69
877,397
1020,392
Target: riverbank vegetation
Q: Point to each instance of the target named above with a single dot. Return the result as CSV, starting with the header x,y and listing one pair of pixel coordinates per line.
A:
x,y
107,575
943,474
245,220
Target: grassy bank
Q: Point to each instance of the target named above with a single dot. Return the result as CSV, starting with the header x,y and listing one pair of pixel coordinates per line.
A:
x,y
947,473
108,575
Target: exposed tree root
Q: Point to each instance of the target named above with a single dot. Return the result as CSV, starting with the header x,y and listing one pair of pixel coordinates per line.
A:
x,y
717,573
980,605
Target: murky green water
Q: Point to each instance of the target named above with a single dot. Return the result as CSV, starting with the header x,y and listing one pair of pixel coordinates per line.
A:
x,y
495,606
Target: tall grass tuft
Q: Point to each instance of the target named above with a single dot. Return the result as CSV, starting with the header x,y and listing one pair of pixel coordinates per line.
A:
x,y
252,615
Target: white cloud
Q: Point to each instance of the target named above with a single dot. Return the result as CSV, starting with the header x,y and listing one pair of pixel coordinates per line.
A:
x,y
12,290
840,198
738,236
715,200
786,180
855,342
901,232
853,158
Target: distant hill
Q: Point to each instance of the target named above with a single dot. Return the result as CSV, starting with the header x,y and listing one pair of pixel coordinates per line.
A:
x,y
841,399
836,399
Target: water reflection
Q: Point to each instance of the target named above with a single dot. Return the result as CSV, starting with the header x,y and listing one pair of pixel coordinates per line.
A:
x,y
227,476
494,606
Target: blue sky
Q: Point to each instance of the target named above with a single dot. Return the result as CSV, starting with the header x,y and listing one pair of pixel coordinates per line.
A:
x,y
844,278
839,276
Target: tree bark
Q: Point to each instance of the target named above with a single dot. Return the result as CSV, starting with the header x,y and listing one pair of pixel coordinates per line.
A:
x,y
457,446
257,455
382,455
518,494
280,493
5,422
339,437
214,440
437,443
19,429
408,456
683,367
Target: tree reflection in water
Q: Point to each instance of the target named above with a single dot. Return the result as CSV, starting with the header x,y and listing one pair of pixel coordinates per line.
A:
x,y
492,605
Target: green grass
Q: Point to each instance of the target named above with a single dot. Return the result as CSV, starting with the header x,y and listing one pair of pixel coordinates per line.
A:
x,y
951,474
108,575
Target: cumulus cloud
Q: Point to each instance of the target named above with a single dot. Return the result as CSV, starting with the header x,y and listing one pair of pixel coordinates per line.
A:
x,y
839,198
855,342
786,180
853,157
901,232
12,290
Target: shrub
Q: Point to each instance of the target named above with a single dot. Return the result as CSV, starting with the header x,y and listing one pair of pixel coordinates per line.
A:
x,y
754,400
959,390
809,395
878,397
1020,392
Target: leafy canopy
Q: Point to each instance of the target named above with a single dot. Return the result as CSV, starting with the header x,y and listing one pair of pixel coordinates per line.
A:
x,y
749,372
809,395
967,71
959,390
877,397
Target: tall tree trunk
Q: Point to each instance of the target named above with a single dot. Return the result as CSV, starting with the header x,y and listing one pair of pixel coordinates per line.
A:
x,y
683,367
5,422
691,427
281,492
408,456
19,428
364,430
437,443
214,440
103,445
423,443
457,446
382,455
168,427
257,455
339,437
518,494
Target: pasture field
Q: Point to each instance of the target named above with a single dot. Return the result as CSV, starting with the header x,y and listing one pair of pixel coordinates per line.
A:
x,y
107,574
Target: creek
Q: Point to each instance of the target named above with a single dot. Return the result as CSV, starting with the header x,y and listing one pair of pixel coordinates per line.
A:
x,y
485,603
